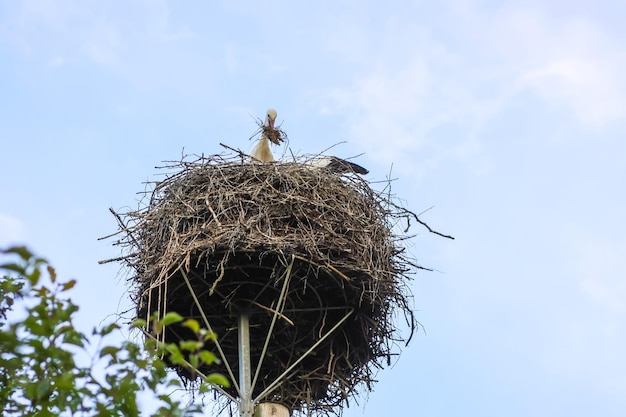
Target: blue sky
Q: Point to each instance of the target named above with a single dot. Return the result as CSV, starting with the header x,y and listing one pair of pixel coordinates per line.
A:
x,y
508,117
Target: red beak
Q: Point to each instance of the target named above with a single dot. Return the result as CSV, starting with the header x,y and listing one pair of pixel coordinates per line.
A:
x,y
270,122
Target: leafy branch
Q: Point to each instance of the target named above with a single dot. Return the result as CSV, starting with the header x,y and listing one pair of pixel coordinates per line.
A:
x,y
39,375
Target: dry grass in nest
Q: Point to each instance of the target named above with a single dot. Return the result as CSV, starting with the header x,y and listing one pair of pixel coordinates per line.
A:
x,y
308,244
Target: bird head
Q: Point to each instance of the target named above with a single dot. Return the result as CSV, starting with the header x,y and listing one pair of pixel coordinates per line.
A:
x,y
271,117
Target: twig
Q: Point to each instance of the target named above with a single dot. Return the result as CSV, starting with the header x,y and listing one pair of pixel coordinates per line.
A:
x,y
415,216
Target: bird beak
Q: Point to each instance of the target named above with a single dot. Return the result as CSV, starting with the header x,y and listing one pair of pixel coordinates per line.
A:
x,y
270,122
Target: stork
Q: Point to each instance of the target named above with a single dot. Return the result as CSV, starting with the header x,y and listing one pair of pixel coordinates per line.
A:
x,y
262,151
336,165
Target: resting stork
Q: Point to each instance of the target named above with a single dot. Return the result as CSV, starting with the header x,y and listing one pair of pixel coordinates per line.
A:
x,y
337,165
262,151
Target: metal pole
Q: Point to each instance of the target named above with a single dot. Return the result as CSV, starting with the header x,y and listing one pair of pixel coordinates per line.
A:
x,y
246,407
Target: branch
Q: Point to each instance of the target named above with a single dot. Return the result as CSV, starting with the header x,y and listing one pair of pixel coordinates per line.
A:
x,y
415,216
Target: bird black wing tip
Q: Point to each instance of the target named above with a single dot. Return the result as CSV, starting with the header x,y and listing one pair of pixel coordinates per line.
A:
x,y
341,165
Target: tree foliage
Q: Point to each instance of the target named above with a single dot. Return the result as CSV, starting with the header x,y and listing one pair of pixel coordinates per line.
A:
x,y
39,373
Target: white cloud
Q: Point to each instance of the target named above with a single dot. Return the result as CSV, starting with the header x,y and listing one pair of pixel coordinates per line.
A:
x,y
139,41
11,229
569,61
600,266
415,89
247,61
104,44
57,61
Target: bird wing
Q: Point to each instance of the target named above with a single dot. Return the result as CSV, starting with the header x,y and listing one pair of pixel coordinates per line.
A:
x,y
341,165
337,165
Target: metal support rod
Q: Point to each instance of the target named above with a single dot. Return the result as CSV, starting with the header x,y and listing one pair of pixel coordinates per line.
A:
x,y
279,305
246,406
203,376
208,326
277,381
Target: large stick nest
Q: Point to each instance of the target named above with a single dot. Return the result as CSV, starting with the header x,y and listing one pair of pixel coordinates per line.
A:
x,y
239,235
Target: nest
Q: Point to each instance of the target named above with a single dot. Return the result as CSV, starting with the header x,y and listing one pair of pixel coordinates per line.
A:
x,y
311,257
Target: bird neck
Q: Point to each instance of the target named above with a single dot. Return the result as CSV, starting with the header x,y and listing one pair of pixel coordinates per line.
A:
x,y
264,153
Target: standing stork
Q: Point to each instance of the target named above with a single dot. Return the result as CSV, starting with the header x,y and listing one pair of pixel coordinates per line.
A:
x,y
261,151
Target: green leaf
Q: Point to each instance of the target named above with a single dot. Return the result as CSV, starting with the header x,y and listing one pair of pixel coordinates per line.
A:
x,y
65,381
138,324
177,358
43,389
193,325
172,348
75,338
174,383
33,277
194,361
68,285
21,251
190,345
13,267
109,350
31,390
207,357
208,335
53,275
108,329
217,379
157,327
171,318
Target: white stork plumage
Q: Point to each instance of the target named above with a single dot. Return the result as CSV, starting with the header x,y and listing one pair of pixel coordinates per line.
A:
x,y
261,150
